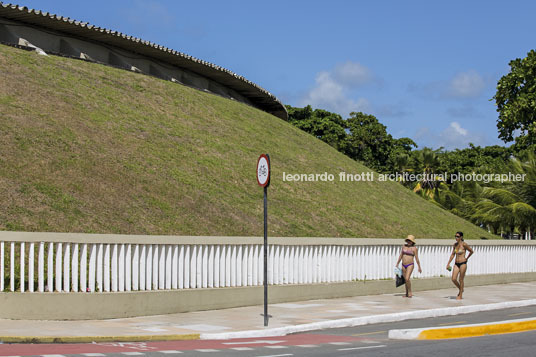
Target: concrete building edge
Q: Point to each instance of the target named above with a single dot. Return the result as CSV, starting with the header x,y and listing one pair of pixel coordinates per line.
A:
x,y
88,306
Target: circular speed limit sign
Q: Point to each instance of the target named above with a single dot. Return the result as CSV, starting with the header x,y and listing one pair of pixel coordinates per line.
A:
x,y
263,170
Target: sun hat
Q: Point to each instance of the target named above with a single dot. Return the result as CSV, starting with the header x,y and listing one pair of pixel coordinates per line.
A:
x,y
411,238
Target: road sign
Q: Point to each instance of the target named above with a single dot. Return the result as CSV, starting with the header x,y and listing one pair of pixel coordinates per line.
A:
x,y
263,170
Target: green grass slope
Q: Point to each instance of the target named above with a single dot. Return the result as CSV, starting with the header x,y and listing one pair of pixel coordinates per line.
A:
x,y
90,148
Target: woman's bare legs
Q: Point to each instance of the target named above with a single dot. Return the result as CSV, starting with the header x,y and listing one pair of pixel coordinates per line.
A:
x,y
407,275
463,269
455,272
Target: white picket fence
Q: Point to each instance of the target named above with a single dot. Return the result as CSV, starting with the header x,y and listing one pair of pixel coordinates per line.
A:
x,y
73,266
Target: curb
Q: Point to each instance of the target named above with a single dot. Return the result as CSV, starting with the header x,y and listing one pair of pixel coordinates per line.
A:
x,y
366,320
90,339
464,331
282,331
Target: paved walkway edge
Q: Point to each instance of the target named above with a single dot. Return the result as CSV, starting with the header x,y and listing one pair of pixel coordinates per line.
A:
x,y
89,339
463,331
366,320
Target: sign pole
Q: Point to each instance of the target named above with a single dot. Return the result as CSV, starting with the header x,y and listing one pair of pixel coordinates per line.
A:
x,y
265,256
263,179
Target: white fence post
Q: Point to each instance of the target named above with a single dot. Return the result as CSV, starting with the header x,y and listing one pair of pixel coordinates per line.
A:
x,y
22,264
59,256
31,267
74,268
12,267
50,267
66,266
1,266
40,268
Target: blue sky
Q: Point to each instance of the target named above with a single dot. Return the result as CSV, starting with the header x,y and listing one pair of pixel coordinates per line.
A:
x,y
426,69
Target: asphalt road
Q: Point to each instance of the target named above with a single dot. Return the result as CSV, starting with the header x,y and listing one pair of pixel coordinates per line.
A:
x,y
369,340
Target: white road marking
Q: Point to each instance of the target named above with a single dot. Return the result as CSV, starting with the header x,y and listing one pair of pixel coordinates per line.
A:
x,y
241,348
274,347
207,350
142,346
339,343
170,352
288,354
360,348
252,342
307,346
93,354
132,353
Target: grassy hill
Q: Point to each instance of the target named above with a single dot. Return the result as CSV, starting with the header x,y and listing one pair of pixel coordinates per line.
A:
x,y
90,148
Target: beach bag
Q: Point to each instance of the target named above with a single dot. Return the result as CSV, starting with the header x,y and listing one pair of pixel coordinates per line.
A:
x,y
399,280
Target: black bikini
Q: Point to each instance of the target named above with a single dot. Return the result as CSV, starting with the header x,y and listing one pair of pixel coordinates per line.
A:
x,y
460,264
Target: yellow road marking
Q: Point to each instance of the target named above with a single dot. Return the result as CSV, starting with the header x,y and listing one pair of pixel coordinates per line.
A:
x,y
453,323
520,313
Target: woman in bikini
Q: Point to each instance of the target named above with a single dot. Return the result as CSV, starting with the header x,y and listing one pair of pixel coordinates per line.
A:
x,y
408,256
460,264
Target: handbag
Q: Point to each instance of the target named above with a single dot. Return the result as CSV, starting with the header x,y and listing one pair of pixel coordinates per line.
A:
x,y
400,280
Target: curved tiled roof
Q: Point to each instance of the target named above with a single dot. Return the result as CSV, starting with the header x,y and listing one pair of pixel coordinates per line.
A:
x,y
260,97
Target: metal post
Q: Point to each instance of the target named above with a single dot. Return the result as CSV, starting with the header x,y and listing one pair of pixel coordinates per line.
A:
x,y
265,256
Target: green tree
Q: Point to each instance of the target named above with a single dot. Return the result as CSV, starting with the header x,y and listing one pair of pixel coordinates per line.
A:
x,y
476,159
326,126
368,140
516,102
399,158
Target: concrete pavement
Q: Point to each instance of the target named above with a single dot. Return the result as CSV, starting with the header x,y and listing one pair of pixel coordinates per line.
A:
x,y
286,317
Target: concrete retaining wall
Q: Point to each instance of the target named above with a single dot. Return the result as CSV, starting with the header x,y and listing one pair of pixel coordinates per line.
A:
x,y
84,306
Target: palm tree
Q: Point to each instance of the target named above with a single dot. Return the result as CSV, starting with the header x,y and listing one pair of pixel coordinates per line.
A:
x,y
526,189
501,208
427,162
459,198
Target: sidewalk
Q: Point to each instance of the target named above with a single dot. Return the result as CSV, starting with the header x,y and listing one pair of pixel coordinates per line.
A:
x,y
286,318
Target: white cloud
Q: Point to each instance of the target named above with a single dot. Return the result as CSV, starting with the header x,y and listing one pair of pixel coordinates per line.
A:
x,y
352,74
456,129
330,94
466,85
332,89
463,85
452,137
